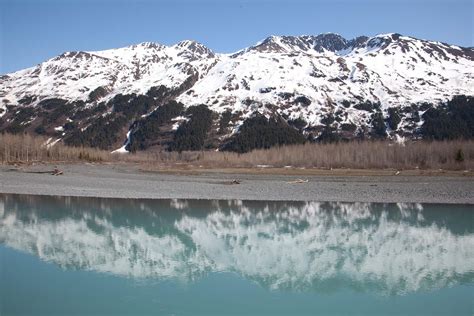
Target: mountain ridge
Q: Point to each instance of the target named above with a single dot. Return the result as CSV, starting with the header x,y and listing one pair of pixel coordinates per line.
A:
x,y
309,78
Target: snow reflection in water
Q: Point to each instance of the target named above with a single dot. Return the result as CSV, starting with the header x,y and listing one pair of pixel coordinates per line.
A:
x,y
379,248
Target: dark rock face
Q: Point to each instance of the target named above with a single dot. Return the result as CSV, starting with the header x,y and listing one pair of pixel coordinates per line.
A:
x,y
331,42
301,42
282,44
357,42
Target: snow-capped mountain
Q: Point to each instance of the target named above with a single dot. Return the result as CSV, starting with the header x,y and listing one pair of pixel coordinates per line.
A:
x,y
73,75
296,77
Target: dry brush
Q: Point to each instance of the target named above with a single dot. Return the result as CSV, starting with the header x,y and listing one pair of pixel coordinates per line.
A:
x,y
449,155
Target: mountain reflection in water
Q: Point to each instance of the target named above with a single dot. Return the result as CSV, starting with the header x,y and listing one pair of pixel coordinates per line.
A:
x,y
389,249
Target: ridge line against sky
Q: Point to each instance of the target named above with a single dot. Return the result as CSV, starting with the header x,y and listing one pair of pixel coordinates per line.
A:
x,y
32,31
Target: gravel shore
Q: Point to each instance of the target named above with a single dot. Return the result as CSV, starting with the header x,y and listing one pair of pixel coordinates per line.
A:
x,y
124,181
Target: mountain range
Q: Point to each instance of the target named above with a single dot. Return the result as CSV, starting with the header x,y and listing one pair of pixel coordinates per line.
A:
x,y
309,87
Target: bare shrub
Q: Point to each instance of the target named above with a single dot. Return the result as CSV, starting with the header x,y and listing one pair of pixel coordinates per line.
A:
x,y
27,148
355,155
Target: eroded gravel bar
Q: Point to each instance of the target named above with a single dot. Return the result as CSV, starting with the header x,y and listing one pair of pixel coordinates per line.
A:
x,y
126,182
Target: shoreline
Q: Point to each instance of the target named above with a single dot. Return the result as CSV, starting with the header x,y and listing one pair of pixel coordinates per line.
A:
x,y
131,181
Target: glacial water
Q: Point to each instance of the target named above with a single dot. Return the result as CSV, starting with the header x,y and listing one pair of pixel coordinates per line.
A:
x,y
90,256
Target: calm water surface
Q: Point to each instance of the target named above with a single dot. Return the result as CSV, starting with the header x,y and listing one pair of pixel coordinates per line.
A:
x,y
87,256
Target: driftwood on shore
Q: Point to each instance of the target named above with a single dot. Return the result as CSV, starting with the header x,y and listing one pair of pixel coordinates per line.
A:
x,y
298,181
56,172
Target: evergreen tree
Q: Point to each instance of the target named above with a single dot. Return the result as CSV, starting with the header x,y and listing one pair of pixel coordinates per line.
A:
x,y
191,135
393,118
451,120
379,130
260,132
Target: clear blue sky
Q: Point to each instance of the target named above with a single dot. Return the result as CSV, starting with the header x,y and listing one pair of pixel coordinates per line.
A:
x,y
32,31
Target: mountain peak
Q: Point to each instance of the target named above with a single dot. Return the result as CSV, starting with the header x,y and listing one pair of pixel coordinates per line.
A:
x,y
188,43
283,44
195,48
272,43
148,45
393,36
329,41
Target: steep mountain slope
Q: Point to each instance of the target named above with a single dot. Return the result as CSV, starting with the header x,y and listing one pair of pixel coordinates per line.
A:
x,y
388,69
321,82
134,69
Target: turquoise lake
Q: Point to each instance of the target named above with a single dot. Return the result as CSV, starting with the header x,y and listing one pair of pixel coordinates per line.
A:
x,y
94,256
